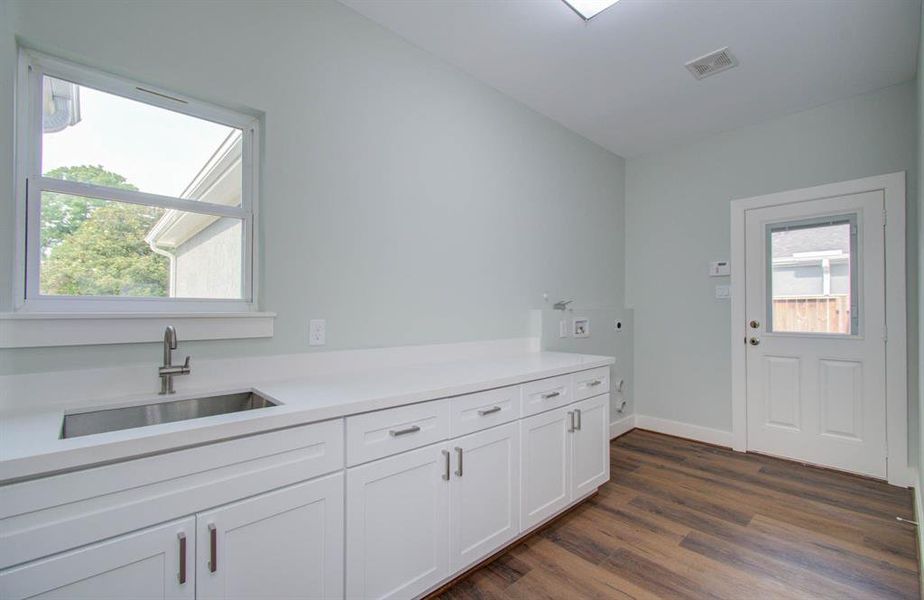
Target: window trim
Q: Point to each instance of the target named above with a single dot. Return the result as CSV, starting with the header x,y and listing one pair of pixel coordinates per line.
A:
x,y
30,183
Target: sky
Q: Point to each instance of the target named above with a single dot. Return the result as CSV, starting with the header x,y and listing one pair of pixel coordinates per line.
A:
x,y
157,150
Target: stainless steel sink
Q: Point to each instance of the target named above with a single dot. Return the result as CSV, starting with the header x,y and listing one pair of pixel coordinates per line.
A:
x,y
129,417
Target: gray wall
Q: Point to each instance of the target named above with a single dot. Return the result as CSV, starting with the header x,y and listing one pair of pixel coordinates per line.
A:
x,y
402,200
918,458
208,265
677,212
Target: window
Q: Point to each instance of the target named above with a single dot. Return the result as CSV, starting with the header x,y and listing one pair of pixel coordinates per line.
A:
x,y
812,279
134,198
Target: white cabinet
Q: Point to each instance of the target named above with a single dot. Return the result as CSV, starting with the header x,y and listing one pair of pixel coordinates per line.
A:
x,y
485,491
282,544
565,456
545,442
590,464
151,564
398,524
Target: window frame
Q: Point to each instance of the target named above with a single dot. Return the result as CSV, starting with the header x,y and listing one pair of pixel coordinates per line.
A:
x,y
33,66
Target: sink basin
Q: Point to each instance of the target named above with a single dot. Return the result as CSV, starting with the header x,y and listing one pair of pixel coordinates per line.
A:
x,y
129,417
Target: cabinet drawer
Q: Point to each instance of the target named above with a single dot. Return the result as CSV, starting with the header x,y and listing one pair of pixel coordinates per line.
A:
x,y
546,394
386,432
475,412
591,383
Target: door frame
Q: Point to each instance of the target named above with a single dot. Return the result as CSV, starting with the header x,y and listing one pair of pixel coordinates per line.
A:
x,y
893,187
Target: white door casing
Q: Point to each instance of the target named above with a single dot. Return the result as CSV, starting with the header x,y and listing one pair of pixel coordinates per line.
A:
x,y
836,400
818,397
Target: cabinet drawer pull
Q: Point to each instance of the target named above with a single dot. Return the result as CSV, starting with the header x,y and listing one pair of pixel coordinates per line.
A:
x,y
489,411
551,395
571,425
578,411
446,472
459,470
405,431
213,548
182,575
594,382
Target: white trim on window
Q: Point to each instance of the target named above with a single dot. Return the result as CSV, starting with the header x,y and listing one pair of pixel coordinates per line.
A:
x,y
30,183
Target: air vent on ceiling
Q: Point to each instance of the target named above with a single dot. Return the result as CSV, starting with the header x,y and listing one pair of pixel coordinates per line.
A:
x,y
712,63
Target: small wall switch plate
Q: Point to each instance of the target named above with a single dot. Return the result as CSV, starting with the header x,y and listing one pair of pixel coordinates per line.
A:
x,y
581,327
563,328
723,292
719,268
317,332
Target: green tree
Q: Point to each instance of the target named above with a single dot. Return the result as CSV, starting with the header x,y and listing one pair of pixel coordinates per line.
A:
x,y
95,247
62,214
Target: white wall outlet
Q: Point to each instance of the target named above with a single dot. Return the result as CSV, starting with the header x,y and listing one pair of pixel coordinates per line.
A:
x,y
719,268
563,328
723,292
317,332
581,327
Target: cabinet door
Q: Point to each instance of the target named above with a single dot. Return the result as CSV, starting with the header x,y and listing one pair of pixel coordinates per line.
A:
x,y
282,544
590,462
545,442
398,524
485,493
144,565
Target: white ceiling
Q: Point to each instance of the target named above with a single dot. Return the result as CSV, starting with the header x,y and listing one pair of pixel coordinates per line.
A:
x,y
620,80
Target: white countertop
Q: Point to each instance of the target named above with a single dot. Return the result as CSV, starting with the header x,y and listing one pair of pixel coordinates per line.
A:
x,y
30,443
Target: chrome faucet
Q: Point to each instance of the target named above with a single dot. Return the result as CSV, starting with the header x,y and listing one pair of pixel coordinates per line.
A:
x,y
168,371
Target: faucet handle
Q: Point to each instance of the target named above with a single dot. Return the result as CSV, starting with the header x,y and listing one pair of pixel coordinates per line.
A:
x,y
186,364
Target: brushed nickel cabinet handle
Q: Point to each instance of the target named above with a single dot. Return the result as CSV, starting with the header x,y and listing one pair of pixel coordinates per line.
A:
x,y
551,395
182,575
459,453
489,411
213,548
578,411
594,382
446,472
571,416
405,431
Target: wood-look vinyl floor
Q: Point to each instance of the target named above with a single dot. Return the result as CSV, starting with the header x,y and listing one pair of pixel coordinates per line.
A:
x,y
680,519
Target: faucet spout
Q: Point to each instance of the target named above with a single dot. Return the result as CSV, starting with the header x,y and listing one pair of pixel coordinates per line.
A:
x,y
168,370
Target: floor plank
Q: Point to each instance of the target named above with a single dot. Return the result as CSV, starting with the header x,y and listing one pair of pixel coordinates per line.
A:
x,y
680,519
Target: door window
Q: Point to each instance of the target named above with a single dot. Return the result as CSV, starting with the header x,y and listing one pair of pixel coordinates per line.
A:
x,y
812,276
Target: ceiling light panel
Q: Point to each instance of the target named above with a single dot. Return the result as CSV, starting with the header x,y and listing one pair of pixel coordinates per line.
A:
x,y
589,8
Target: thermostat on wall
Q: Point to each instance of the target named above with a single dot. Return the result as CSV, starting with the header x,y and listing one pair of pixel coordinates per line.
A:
x,y
719,268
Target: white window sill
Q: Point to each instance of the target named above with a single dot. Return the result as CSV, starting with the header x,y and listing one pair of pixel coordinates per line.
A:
x,y
35,330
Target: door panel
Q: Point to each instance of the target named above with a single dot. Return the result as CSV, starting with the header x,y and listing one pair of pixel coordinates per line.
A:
x,y
282,544
815,302
590,462
485,497
143,566
545,442
398,524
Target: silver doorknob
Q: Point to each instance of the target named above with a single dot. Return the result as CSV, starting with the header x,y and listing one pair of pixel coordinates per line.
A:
x,y
754,324
754,341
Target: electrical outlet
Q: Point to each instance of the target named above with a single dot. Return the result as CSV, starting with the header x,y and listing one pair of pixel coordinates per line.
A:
x,y
317,332
563,328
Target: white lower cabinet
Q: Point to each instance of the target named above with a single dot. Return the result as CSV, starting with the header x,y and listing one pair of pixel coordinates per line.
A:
x,y
590,448
397,528
151,564
485,491
545,440
565,456
282,544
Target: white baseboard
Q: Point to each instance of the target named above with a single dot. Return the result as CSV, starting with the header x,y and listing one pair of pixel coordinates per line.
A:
x,y
621,426
915,476
685,430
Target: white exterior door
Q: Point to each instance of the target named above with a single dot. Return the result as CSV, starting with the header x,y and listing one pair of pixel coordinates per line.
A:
x,y
485,493
590,456
398,524
815,307
282,544
545,442
151,564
